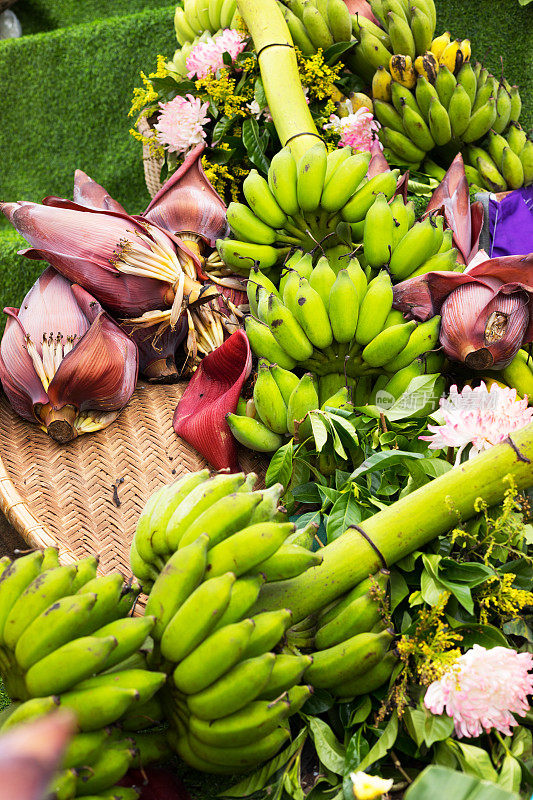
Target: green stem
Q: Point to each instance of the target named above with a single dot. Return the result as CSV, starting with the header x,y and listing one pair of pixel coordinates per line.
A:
x,y
405,526
279,72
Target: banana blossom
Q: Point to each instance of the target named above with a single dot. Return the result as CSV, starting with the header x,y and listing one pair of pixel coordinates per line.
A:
x,y
64,363
487,311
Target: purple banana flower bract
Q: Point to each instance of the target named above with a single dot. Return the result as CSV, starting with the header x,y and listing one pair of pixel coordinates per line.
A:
x,y
90,194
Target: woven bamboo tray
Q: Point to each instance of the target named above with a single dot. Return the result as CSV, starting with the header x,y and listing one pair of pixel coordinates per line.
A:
x,y
86,496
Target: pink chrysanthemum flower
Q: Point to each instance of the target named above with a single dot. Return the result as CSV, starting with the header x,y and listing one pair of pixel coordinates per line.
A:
x,y
206,57
483,689
357,130
480,417
180,123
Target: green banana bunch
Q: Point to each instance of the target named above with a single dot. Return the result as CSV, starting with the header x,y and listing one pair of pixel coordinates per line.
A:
x,y
519,375
506,162
315,25
198,17
299,205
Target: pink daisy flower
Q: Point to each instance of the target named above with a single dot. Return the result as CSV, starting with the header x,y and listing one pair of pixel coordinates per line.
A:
x,y
357,130
180,123
483,689
206,57
480,417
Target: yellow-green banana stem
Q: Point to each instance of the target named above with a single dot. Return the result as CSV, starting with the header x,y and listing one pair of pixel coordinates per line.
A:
x,y
405,526
279,72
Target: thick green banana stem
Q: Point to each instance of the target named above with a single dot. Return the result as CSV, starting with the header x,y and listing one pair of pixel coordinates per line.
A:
x,y
405,526
279,71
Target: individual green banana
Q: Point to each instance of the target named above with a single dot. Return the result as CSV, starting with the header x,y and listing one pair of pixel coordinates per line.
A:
x,y
358,277
415,248
269,629
109,591
343,306
503,110
415,126
481,121
145,572
244,594
54,627
422,30
359,617
197,617
50,559
388,116
227,13
44,590
378,234
184,32
256,720
440,262
109,768
466,77
245,756
282,180
402,145
247,227
264,344
388,344
374,309
519,375
84,748
369,681
288,562
380,578
373,51
491,176
62,669
322,279
400,217
197,501
357,207
516,104
424,338
516,137
303,399
445,84
344,661
311,169
234,690
401,36
425,93
317,27
225,517
214,13
85,572
298,32
401,95
242,256
247,548
459,110
339,20
180,743
63,786
484,93
439,123
15,579
143,681
269,402
106,705
268,509
287,331
262,201
253,434
347,177
143,715
310,312
286,381
526,157
512,169
215,656
286,673
258,279
334,160
181,575
129,633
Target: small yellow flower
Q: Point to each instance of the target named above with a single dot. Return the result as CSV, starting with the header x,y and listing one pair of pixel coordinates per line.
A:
x,y
368,787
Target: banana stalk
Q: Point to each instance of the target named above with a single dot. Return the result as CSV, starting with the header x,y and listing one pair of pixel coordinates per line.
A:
x,y
278,65
405,526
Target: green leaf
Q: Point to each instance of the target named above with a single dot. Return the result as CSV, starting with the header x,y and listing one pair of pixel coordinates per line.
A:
x,y
473,760
329,750
307,493
358,748
437,728
485,635
222,127
414,720
320,701
518,627
254,144
320,431
510,776
262,777
383,744
345,512
398,589
335,51
449,784
259,93
280,467
382,460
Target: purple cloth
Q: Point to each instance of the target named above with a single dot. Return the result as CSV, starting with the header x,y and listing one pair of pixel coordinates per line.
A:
x,y
511,224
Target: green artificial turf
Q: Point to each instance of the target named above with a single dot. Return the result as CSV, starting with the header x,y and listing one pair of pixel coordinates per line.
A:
x,y
43,15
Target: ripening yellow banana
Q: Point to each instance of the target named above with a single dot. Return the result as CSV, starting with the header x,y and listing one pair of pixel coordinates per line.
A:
x,y
452,56
381,85
427,66
439,44
402,71
466,50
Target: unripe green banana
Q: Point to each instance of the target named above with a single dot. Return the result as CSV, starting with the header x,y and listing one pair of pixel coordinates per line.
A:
x,y
197,617
322,279
109,768
357,207
343,306
347,177
401,36
310,312
282,180
424,338
459,110
344,661
317,27
359,22
441,262
374,52
107,705
15,579
288,562
378,233
512,169
255,720
286,381
519,375
264,344
68,665
369,681
374,308
146,683
402,145
401,379
485,92
84,748
415,126
257,280
215,656
111,596
388,344
311,170
334,160
415,248
247,548
129,633
298,32
262,201
247,227
269,402
466,77
35,707
503,109
358,277
225,517
526,157
143,715
50,559
287,672
402,95
422,30
303,399
481,121
358,617
287,331
234,690
144,571
516,104
492,178
516,137
239,758
253,434
425,93
445,84
339,20
244,593
439,122
181,575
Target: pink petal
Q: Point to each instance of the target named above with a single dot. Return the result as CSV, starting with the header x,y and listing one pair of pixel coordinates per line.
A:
x,y
362,7
157,348
90,194
422,297
476,215
100,372
213,392
188,202
21,384
448,185
378,162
